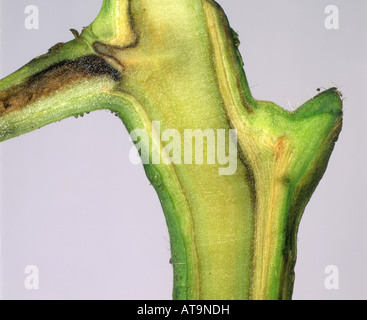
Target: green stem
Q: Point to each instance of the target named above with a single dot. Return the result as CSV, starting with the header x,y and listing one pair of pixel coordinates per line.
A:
x,y
176,64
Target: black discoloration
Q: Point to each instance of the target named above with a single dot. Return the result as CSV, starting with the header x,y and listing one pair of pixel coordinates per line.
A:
x,y
91,65
53,79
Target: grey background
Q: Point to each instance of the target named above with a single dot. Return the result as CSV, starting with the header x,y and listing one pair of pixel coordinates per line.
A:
x,y
73,205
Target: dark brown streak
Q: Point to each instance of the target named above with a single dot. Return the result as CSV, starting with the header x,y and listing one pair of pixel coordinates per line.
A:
x,y
133,27
250,176
53,79
135,32
106,51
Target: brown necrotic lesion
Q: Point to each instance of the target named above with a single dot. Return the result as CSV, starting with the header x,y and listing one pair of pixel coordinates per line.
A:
x,y
53,79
